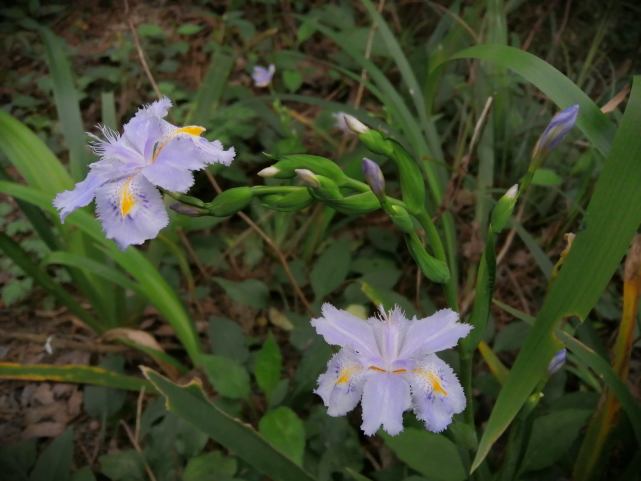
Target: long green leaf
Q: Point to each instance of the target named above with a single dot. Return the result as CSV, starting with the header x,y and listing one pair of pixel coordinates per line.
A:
x,y
212,86
152,284
84,263
612,218
560,89
71,373
190,403
43,171
66,97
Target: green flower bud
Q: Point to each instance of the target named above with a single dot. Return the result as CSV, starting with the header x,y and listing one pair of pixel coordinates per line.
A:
x,y
290,202
400,218
434,269
410,175
286,167
230,201
362,203
320,186
504,208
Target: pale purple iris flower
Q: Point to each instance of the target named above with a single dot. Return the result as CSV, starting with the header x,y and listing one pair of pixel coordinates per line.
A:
x,y
263,76
389,365
150,153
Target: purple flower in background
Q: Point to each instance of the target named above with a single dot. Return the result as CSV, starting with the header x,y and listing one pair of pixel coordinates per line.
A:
x,y
263,76
374,176
388,364
558,128
151,152
557,362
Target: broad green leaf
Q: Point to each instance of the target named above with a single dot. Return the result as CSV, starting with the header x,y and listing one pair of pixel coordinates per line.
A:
x,y
560,89
17,459
284,429
150,30
83,474
212,466
227,376
66,97
292,80
190,403
251,292
103,402
432,455
611,220
189,29
71,373
268,364
330,269
123,466
552,436
228,339
55,460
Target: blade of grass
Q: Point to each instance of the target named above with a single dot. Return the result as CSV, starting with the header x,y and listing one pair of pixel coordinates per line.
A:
x,y
560,89
612,219
66,98
72,373
212,86
24,260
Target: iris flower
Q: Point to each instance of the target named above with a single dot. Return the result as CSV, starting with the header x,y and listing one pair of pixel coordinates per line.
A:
x,y
389,365
556,130
150,153
263,76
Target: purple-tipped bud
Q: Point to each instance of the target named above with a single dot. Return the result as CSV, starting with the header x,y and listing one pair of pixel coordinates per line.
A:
x,y
557,361
263,76
558,128
374,176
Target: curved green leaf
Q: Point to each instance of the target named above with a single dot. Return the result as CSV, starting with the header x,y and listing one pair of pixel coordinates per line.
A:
x,y
71,373
612,218
190,403
560,89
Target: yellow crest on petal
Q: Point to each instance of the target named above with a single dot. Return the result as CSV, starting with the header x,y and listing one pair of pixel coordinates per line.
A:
x,y
127,198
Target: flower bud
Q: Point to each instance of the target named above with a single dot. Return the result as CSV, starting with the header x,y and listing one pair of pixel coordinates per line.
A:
x,y
504,208
286,167
230,201
355,125
361,203
290,202
269,172
558,128
557,362
400,217
434,269
308,178
374,177
188,210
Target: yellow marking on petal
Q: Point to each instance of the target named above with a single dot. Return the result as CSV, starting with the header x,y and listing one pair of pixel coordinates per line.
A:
x,y
127,199
376,368
436,383
344,376
194,130
399,371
